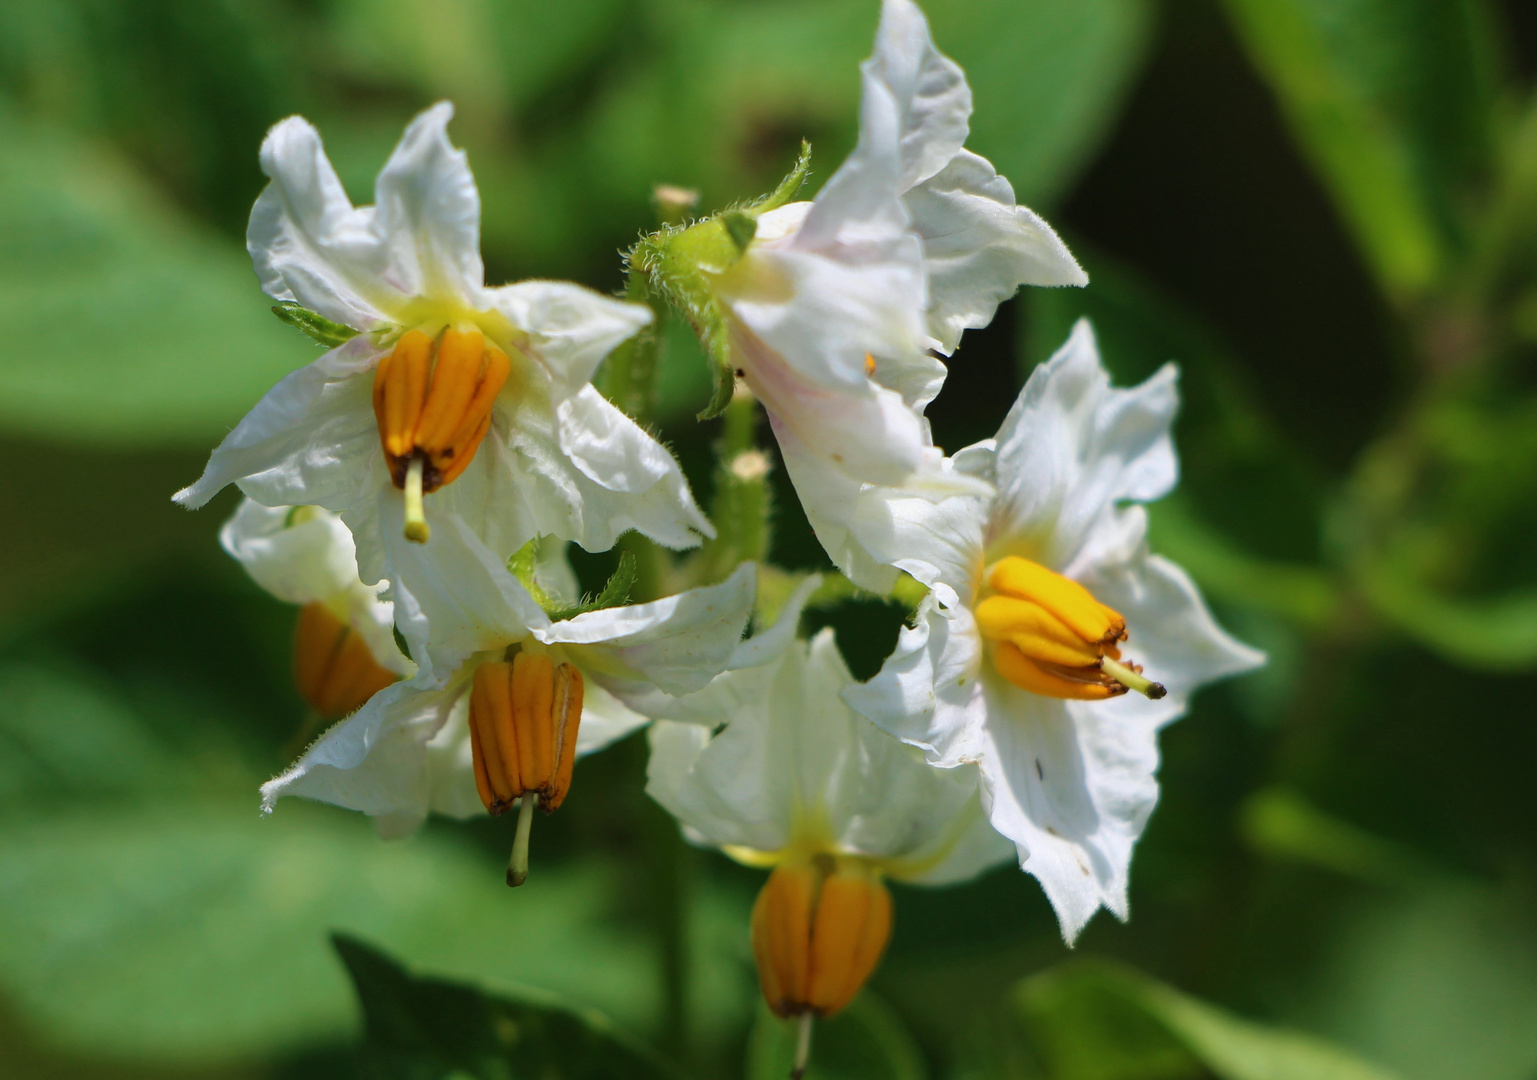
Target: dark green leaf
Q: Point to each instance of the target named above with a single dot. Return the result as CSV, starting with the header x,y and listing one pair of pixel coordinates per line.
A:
x,y
1392,100
423,1028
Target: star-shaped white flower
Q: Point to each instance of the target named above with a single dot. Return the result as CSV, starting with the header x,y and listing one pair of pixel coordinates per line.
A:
x,y
344,648
769,764
839,308
421,746
476,397
1046,609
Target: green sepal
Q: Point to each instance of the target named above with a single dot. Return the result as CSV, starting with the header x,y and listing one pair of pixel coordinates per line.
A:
x,y
716,337
317,327
740,227
524,561
680,263
614,594
788,187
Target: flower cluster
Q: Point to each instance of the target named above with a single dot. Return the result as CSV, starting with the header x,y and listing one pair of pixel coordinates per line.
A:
x,y
415,489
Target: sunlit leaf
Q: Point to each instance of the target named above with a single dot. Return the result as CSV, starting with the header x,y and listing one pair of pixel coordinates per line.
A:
x,y
419,1027
132,325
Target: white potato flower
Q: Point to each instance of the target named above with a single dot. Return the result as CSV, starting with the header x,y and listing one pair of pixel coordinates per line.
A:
x,y
509,695
344,644
1046,609
476,398
769,764
839,309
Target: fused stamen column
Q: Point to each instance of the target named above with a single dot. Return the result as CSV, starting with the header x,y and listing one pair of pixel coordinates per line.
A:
x,y
334,669
524,717
818,929
432,402
1051,637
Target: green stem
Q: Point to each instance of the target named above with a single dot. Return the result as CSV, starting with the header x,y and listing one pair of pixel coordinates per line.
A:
x,y
742,504
630,377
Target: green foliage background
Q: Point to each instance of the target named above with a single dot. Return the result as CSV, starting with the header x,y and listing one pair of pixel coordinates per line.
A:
x,y
1326,210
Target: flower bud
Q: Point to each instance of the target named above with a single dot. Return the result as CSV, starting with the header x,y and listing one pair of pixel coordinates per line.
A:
x,y
334,669
1053,638
818,929
524,716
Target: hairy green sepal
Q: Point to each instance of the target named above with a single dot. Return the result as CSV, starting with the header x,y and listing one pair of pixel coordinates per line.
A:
x,y
522,566
317,327
681,264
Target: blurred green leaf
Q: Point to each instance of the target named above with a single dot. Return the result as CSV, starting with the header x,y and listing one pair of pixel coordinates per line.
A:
x,y
97,904
63,736
1440,983
423,1028
134,326
1280,822
1244,520
866,1041
1093,1020
1392,101
1047,78
1498,634
1303,594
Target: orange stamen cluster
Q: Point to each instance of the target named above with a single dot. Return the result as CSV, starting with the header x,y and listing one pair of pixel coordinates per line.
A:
x,y
334,669
818,929
432,400
1051,637
524,715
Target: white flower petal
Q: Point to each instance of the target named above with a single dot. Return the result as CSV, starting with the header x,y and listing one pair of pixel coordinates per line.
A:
x,y
374,761
617,455
1072,783
299,564
605,719
913,119
822,311
792,762
453,596
427,214
1172,634
872,531
522,483
299,445
677,644
979,247
570,328
865,431
307,241
1073,447
929,691
364,267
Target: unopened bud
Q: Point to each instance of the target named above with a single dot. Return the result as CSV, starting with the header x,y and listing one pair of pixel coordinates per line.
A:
x,y
818,929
